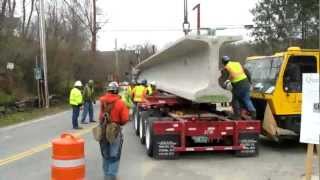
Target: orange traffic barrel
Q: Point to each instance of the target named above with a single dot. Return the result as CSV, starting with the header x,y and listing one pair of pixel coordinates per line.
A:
x,y
68,158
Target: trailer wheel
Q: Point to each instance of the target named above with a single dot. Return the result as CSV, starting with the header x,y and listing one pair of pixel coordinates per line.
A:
x,y
136,117
142,126
149,138
144,118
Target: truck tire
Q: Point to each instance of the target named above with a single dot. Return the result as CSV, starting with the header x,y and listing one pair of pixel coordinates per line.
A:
x,y
144,117
142,125
149,138
136,117
152,141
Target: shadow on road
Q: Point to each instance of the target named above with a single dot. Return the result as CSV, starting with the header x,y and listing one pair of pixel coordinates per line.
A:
x,y
284,145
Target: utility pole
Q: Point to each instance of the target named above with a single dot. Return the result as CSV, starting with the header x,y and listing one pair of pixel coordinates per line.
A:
x,y
117,59
197,7
42,33
94,28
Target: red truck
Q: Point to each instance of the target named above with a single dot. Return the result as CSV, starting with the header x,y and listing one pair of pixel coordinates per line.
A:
x,y
169,125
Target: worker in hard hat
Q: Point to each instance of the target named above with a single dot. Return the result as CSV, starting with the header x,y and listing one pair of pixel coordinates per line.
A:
x,y
76,101
138,95
130,87
118,113
125,93
139,92
239,83
151,88
89,100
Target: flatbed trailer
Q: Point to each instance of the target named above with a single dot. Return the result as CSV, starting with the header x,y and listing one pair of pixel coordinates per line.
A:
x,y
169,125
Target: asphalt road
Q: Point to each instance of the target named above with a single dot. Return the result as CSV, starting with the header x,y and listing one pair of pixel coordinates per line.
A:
x,y
25,154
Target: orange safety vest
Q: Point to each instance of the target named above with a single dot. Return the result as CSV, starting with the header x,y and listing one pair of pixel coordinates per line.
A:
x,y
139,93
236,72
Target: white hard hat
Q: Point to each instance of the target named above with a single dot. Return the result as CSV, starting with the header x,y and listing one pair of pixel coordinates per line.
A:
x,y
153,83
124,83
78,84
113,86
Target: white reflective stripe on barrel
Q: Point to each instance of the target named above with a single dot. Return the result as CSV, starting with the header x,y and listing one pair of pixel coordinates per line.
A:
x,y
67,163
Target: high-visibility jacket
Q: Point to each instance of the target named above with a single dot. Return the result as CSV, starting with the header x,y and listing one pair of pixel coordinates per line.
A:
x,y
149,90
139,93
126,97
236,72
129,90
88,93
75,97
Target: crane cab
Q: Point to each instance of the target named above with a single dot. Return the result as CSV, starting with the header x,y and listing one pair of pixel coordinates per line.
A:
x,y
277,89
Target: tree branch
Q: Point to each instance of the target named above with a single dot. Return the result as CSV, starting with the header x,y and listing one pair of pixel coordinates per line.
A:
x,y
75,13
29,19
3,8
23,17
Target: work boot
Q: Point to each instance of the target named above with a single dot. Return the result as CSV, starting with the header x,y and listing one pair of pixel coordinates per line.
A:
x,y
234,117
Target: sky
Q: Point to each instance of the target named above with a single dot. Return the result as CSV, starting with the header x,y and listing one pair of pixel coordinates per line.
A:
x,y
134,22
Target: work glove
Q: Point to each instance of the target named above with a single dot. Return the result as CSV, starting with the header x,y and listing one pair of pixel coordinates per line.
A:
x,y
227,85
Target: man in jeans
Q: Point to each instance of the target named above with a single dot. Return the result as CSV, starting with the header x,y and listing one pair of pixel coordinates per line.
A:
x,y
119,114
76,100
89,100
240,80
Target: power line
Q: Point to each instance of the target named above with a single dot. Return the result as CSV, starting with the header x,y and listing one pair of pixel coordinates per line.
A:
x,y
160,29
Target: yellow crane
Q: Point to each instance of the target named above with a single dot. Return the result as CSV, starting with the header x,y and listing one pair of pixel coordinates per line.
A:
x,y
277,89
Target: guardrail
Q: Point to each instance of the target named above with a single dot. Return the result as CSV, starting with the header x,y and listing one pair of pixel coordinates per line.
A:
x,y
27,104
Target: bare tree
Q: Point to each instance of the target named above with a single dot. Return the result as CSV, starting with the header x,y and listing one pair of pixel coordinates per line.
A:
x,y
3,8
86,12
26,16
12,6
7,13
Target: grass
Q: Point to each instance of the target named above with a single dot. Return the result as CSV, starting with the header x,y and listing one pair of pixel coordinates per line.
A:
x,y
20,117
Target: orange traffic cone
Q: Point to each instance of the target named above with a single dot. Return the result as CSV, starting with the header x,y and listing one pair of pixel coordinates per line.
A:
x,y
68,158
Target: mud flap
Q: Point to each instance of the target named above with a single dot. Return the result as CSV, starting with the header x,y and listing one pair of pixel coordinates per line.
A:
x,y
251,144
269,123
164,146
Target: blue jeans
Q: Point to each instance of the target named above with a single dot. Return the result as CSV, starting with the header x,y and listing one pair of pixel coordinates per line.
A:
x,y
88,107
111,154
241,98
75,115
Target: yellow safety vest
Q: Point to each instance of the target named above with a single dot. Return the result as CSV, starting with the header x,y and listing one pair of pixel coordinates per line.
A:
x,y
236,72
139,93
149,89
75,97
129,90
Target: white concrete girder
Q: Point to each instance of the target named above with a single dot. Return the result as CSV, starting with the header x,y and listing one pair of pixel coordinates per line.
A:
x,y
189,68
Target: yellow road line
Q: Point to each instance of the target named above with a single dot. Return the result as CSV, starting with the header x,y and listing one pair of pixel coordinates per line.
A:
x,y
37,149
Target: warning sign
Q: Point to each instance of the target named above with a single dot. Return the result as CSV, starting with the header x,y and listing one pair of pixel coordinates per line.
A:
x,y
310,115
